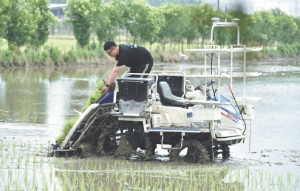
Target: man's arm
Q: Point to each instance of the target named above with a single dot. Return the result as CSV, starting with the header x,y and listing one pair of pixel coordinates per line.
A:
x,y
113,75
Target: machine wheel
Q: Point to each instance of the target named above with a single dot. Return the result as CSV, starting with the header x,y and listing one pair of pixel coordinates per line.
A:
x,y
209,150
192,151
225,151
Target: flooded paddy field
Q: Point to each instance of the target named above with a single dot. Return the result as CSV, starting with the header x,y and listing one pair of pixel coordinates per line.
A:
x,y
34,104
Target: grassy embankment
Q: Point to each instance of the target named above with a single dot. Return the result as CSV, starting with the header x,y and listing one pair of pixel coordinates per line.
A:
x,y
62,50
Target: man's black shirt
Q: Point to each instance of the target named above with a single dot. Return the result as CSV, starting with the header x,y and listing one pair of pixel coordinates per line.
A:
x,y
132,55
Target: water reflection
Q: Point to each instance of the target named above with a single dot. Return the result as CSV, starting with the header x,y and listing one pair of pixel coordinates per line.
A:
x,y
48,95
105,174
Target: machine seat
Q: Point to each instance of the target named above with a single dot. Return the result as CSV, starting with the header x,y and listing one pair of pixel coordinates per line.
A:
x,y
167,98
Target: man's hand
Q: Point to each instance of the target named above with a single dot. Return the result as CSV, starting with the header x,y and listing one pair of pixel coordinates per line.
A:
x,y
105,89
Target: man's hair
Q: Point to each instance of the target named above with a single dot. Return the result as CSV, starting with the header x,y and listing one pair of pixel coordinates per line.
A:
x,y
109,44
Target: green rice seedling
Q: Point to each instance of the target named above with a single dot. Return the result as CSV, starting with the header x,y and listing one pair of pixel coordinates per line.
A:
x,y
10,175
28,147
66,128
289,175
46,187
41,148
92,99
34,159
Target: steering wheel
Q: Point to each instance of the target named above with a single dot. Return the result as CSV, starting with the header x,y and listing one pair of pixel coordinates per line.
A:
x,y
201,87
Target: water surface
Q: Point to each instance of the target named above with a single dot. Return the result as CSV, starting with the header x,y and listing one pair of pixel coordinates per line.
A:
x,y
35,103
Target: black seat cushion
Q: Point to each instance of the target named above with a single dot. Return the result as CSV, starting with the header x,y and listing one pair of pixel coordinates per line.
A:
x,y
167,98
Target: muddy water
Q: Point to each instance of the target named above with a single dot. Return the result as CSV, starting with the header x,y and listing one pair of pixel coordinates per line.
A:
x,y
35,103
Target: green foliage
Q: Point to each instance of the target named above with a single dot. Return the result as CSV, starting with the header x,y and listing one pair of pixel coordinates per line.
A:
x,y
283,49
66,128
29,56
20,23
191,32
283,23
202,19
37,58
44,56
105,21
145,21
262,27
27,23
95,95
269,52
6,57
55,54
92,46
92,99
80,13
174,23
3,18
244,26
100,52
24,22
71,56
43,17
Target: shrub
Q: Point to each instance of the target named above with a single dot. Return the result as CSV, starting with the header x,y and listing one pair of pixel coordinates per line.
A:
x,y
19,59
6,57
45,56
92,46
55,54
100,52
71,56
84,53
36,57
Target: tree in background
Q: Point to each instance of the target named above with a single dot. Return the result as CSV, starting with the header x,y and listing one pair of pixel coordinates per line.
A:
x,y
43,17
191,32
144,21
109,20
3,17
20,23
80,13
262,27
244,26
297,33
25,22
203,15
285,27
174,25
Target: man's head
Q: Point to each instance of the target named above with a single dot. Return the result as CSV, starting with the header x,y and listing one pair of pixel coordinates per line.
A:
x,y
109,47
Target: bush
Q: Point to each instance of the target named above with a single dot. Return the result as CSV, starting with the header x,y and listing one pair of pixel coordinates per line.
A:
x,y
36,57
19,59
45,56
100,52
71,56
92,46
84,53
6,57
55,54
